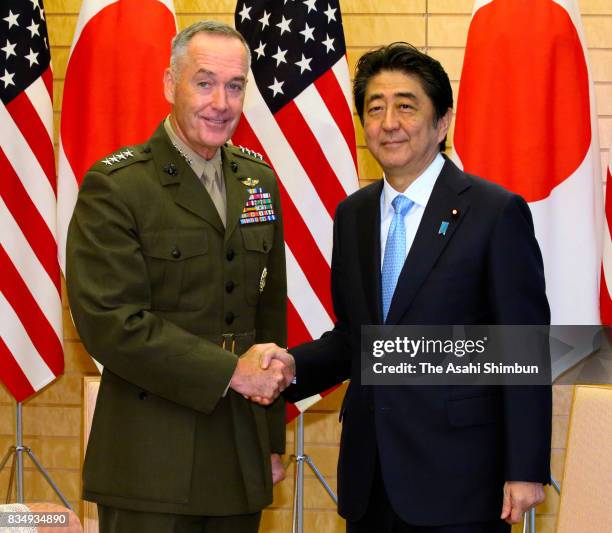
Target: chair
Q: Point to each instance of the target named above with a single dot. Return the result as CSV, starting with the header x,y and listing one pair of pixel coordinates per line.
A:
x,y
586,503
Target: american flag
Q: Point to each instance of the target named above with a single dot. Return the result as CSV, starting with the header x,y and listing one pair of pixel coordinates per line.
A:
x,y
30,303
297,113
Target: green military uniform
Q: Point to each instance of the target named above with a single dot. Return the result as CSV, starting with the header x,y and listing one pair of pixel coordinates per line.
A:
x,y
162,294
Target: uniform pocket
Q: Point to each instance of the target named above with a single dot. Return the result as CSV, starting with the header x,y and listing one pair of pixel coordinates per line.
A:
x,y
258,240
176,261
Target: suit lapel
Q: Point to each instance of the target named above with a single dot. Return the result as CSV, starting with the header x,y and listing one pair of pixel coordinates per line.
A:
x,y
173,169
237,194
368,243
429,242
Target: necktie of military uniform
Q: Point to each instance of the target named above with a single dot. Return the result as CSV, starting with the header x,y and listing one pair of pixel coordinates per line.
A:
x,y
211,179
395,251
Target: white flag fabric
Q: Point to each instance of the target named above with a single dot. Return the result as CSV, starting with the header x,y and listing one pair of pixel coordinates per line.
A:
x,y
526,119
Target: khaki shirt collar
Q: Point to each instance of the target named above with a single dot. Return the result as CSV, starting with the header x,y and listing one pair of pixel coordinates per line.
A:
x,y
201,166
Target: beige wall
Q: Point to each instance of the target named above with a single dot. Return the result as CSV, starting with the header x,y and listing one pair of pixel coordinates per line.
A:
x,y
53,418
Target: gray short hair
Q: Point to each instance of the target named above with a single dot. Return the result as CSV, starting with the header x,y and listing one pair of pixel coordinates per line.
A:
x,y
211,27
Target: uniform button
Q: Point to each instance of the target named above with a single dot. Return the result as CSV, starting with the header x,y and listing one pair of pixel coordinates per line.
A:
x,y
230,254
229,286
265,246
229,317
143,395
176,253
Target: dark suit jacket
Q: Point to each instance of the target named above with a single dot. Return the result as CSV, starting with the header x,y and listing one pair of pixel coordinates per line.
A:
x,y
444,451
154,280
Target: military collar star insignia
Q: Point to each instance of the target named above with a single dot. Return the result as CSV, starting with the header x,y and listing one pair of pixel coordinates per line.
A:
x,y
183,155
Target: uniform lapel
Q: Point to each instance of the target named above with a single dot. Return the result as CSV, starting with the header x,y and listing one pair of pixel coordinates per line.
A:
x,y
429,242
237,194
173,169
368,242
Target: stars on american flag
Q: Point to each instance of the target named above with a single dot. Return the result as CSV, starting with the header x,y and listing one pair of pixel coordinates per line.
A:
x,y
280,56
307,32
7,79
329,43
310,4
11,19
304,63
293,42
265,19
244,14
24,48
260,50
9,49
277,87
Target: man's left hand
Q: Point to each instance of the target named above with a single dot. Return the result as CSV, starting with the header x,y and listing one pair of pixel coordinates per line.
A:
x,y
278,469
519,497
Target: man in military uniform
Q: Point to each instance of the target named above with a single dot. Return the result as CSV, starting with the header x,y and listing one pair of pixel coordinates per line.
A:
x,y
175,269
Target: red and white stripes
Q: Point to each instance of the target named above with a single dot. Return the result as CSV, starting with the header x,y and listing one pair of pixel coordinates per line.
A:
x,y
310,143
31,353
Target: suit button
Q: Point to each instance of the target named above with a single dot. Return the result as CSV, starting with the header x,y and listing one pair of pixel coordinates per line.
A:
x,y
176,253
229,286
143,395
230,254
229,317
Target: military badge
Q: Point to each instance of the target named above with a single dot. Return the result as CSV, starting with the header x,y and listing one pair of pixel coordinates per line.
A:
x,y
262,280
249,182
258,207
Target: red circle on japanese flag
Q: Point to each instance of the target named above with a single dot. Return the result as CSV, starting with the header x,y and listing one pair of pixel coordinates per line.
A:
x,y
523,115
113,93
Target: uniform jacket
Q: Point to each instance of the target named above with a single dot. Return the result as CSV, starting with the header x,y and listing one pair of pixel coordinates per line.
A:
x,y
154,282
445,451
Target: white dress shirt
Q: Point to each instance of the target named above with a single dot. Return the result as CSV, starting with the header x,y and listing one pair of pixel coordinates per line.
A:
x,y
419,192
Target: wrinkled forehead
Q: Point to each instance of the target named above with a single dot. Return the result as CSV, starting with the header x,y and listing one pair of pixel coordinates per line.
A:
x,y
217,54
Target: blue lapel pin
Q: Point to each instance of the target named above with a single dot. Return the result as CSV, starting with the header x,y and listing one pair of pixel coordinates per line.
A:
x,y
443,228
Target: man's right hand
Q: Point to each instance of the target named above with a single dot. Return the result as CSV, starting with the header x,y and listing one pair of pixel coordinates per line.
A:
x,y
253,381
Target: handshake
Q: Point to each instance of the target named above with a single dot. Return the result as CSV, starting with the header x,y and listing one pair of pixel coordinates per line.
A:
x,y
263,372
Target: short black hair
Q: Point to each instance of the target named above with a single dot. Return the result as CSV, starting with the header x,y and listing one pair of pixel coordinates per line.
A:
x,y
404,57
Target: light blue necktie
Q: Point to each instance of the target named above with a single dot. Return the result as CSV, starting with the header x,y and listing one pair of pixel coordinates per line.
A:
x,y
395,251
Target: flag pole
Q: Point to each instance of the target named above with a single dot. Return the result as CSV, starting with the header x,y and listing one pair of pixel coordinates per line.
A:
x,y
300,458
17,452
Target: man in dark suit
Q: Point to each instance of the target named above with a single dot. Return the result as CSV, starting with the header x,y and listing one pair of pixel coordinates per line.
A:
x,y
175,270
428,458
